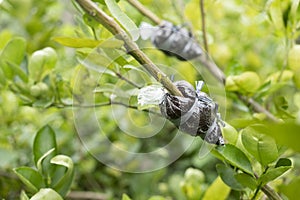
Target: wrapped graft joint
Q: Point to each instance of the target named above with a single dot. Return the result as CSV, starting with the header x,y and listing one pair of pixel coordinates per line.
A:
x,y
172,40
194,113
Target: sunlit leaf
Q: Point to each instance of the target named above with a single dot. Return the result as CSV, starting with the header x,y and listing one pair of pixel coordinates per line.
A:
x,y
217,187
46,194
125,197
12,54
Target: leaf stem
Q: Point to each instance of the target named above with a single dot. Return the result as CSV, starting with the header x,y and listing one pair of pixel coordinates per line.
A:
x,y
112,26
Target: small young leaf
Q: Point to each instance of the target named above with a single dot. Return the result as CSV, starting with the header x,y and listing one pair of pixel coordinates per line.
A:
x,y
283,162
46,194
30,177
43,142
63,186
123,19
217,187
262,147
235,157
227,174
272,174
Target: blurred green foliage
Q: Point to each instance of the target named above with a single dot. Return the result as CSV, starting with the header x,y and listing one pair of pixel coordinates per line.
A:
x,y
46,57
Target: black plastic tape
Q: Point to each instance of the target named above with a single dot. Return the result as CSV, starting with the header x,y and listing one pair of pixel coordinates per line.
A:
x,y
176,41
195,113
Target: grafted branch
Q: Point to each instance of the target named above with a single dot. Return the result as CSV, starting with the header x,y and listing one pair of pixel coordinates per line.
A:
x,y
208,63
110,24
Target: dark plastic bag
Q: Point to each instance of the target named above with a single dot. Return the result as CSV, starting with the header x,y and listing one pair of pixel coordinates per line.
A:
x,y
195,113
176,41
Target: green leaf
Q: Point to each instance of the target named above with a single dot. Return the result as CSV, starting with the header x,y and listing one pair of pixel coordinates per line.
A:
x,y
77,42
63,186
235,157
125,197
23,196
30,177
230,134
227,174
276,14
157,198
286,134
46,194
272,174
17,71
41,63
283,162
246,180
13,52
291,190
43,144
123,19
217,187
262,147
39,163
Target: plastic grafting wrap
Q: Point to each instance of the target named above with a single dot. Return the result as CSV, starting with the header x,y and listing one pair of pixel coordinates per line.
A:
x,y
176,41
195,113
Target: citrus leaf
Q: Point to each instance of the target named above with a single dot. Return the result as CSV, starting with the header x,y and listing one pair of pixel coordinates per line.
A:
x,y
227,174
77,42
123,19
246,180
235,157
272,174
217,187
63,186
30,177
261,146
46,194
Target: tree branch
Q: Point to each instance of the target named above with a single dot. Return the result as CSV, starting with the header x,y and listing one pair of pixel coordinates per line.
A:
x,y
215,70
87,195
145,11
202,12
112,26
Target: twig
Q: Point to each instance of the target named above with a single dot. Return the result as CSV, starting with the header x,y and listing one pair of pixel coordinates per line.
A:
x,y
62,105
111,25
215,70
257,107
269,192
203,26
145,11
87,195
